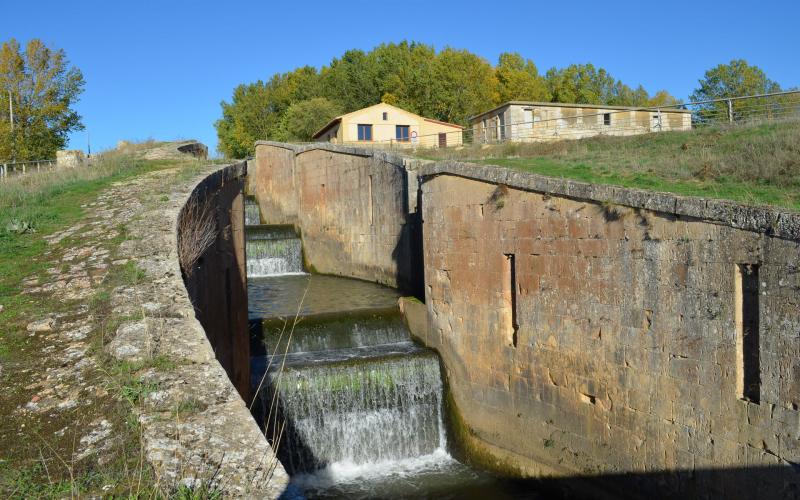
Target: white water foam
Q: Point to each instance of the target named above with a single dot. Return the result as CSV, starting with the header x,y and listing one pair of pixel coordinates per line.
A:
x,y
274,257
347,472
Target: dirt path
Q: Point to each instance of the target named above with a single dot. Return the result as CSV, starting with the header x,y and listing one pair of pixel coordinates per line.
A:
x,y
100,382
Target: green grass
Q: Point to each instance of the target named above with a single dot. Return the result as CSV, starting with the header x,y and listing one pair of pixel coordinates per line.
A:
x,y
51,202
757,164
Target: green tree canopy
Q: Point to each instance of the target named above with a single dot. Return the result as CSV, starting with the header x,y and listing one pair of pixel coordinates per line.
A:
x,y
463,84
580,83
518,79
42,87
585,84
304,118
449,85
737,78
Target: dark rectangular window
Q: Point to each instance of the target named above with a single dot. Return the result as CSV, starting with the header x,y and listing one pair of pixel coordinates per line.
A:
x,y
747,332
364,132
401,133
606,118
385,116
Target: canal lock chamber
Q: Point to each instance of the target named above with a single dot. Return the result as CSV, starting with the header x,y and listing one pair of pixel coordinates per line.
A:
x,y
353,406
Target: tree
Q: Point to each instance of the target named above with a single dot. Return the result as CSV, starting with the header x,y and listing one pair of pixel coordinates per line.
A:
x,y
734,79
42,87
249,117
450,85
352,81
662,98
257,110
518,79
463,85
581,83
304,118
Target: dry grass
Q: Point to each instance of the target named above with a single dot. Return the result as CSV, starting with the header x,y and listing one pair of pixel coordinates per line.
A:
x,y
197,231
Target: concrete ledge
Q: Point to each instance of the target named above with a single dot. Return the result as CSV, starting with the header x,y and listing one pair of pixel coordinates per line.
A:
x,y
772,221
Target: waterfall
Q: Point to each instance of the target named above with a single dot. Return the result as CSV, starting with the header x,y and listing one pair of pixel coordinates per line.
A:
x,y
364,412
252,212
352,405
352,331
353,389
273,250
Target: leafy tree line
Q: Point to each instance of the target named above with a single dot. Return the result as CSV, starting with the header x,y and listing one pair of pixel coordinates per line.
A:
x,y
448,85
42,88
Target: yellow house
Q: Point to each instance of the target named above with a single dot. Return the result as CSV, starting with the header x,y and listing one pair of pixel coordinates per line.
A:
x,y
384,124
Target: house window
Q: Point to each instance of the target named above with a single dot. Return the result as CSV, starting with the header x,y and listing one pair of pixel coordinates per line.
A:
x,y
385,116
364,132
401,133
606,118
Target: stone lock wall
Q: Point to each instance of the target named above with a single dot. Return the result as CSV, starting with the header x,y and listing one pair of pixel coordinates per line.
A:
x,y
217,279
274,183
616,352
642,340
354,207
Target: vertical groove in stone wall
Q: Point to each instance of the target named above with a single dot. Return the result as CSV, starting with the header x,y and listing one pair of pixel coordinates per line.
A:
x,y
217,280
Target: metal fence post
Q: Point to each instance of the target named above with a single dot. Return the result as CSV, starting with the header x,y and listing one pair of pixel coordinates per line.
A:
x,y
730,111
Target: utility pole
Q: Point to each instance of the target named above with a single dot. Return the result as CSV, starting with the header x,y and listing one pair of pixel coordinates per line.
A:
x,y
13,138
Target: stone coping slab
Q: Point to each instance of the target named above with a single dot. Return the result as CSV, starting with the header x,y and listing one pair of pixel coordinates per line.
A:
x,y
770,221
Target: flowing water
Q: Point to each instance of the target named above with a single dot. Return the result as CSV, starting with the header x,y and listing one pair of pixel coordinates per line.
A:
x,y
252,213
360,402
273,250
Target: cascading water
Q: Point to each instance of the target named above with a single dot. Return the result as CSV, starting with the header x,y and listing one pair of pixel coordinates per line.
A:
x,y
252,212
353,405
273,250
375,411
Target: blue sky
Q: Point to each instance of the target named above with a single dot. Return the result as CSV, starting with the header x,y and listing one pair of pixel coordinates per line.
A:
x,y
160,69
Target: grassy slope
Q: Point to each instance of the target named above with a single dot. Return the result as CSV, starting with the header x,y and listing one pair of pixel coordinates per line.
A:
x,y
755,164
51,202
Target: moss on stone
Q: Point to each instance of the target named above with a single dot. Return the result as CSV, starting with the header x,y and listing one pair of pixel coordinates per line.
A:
x,y
468,447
